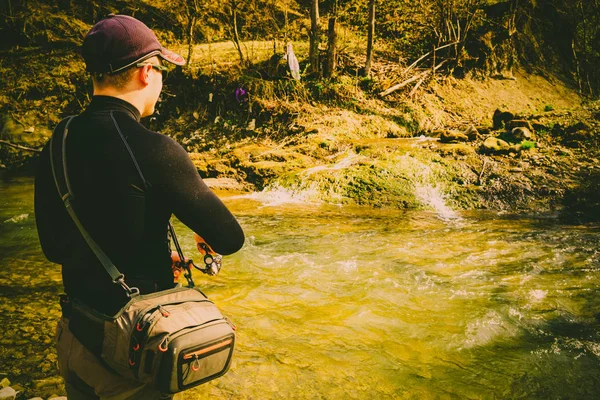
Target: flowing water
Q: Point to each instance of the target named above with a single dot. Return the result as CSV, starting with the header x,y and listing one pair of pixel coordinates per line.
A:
x,y
339,302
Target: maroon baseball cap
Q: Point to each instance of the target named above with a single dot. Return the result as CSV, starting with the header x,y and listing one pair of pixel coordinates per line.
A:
x,y
118,42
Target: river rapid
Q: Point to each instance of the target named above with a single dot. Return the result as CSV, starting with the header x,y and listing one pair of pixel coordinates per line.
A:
x,y
336,302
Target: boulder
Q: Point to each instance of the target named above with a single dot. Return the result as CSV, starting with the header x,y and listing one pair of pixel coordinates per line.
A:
x,y
501,117
483,130
8,393
493,145
449,136
521,133
518,123
515,148
472,133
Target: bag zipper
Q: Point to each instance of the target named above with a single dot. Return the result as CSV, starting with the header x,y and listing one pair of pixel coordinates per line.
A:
x,y
195,366
208,349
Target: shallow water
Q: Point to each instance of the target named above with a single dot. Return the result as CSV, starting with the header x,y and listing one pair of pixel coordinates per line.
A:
x,y
347,302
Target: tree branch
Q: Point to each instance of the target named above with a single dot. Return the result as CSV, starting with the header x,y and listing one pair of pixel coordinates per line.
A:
x,y
18,146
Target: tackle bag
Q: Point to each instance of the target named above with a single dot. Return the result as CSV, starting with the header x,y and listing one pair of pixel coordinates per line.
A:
x,y
173,339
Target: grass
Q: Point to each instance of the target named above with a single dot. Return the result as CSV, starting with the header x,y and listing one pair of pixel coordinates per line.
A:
x,y
527,144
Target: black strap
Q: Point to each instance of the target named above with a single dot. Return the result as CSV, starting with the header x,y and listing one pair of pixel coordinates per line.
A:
x,y
59,171
186,266
61,179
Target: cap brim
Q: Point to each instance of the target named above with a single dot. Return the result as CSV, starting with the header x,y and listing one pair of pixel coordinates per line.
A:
x,y
171,57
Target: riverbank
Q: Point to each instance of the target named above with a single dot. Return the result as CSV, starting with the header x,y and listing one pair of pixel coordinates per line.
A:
x,y
427,151
337,141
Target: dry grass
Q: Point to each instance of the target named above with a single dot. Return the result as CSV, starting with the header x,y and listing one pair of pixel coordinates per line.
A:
x,y
457,102
223,55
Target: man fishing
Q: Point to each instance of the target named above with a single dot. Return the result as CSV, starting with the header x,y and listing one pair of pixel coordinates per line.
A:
x,y
124,196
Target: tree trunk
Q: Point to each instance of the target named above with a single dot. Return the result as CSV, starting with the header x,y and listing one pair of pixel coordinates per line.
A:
x,y
285,26
236,36
331,47
190,38
314,37
371,38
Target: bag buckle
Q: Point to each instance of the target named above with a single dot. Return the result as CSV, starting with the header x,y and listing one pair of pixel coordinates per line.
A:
x,y
131,292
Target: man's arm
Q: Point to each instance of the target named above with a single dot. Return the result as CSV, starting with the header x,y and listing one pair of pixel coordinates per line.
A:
x,y
192,201
51,217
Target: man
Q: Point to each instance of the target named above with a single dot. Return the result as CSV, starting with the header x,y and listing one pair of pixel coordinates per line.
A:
x,y
125,214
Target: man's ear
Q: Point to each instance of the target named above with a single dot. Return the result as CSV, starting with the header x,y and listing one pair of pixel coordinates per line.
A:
x,y
144,74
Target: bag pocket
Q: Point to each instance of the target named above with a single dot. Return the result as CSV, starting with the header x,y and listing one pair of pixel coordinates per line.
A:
x,y
195,356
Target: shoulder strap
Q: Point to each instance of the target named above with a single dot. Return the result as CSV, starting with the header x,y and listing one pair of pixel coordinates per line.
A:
x,y
61,179
187,274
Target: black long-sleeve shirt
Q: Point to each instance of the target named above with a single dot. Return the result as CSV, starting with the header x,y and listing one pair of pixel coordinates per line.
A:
x,y
127,220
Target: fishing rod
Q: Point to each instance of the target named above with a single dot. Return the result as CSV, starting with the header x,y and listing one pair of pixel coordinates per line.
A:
x,y
212,261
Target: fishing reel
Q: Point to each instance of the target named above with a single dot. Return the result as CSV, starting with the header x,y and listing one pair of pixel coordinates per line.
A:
x,y
212,261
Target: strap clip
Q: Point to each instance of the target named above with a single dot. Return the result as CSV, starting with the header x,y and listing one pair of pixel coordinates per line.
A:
x,y
131,292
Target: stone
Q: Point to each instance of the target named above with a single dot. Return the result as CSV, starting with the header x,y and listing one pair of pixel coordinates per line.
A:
x,y
501,117
483,130
472,133
58,398
495,145
515,148
449,136
518,123
521,133
8,393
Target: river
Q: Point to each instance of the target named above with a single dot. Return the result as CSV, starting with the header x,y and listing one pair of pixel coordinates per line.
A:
x,y
337,302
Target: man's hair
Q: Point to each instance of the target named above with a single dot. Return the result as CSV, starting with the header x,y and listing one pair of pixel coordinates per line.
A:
x,y
117,81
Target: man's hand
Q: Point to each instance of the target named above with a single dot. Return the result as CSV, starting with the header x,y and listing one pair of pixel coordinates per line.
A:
x,y
176,265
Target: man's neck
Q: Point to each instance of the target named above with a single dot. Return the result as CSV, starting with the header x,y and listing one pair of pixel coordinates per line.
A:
x,y
132,98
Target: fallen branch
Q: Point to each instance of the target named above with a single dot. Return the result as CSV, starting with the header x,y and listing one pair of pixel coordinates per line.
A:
x,y
18,146
404,83
420,77
417,85
411,66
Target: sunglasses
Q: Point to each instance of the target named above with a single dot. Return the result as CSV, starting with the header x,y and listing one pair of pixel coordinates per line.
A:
x,y
161,68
